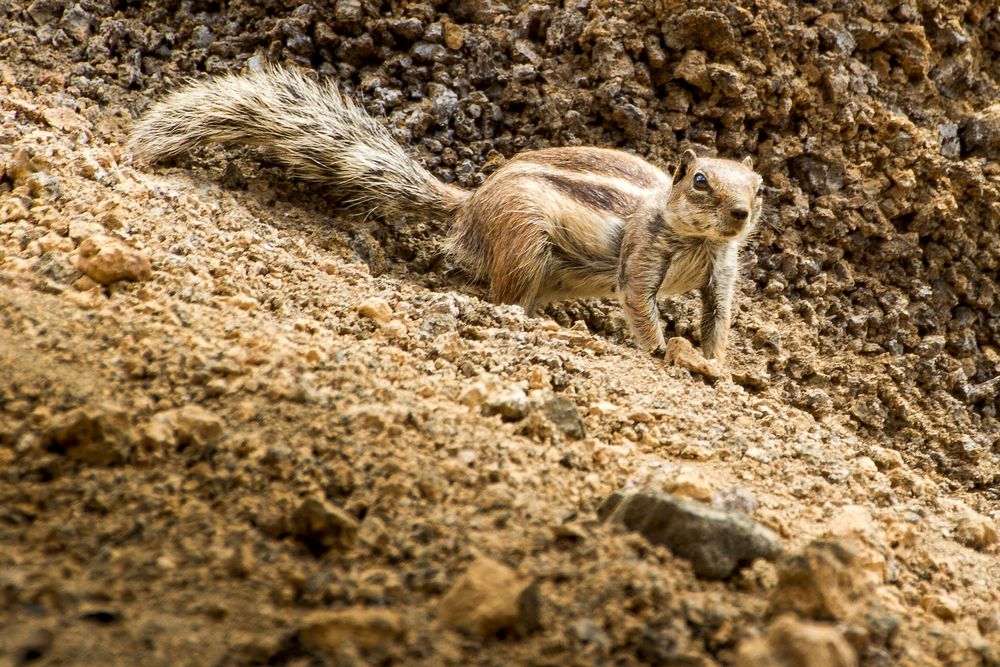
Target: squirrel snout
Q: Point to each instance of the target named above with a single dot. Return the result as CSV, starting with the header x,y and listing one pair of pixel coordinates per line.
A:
x,y
739,214
733,221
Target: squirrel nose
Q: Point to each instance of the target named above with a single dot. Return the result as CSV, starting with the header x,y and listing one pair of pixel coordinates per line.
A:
x,y
739,214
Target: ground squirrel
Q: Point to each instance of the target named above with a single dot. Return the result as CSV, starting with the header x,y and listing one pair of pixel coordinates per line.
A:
x,y
548,225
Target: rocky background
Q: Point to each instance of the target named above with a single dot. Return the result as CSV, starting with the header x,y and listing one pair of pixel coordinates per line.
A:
x,y
237,427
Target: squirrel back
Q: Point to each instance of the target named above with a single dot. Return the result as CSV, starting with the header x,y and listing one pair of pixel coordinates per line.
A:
x,y
314,130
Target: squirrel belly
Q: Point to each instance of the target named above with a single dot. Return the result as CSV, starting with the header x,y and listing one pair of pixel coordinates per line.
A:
x,y
548,225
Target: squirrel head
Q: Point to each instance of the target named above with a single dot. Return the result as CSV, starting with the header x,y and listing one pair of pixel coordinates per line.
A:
x,y
720,200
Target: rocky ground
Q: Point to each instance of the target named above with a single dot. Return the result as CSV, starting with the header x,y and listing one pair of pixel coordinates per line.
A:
x,y
238,427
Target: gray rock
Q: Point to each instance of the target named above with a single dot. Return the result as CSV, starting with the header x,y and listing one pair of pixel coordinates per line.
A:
x,y
564,414
56,266
951,146
565,29
202,37
348,14
818,176
981,133
77,23
445,102
409,28
717,543
429,53
587,631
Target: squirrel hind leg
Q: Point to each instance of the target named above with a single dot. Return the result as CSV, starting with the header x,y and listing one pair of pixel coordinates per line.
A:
x,y
522,280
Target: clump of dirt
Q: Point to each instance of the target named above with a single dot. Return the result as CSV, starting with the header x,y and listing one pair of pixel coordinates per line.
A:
x,y
239,428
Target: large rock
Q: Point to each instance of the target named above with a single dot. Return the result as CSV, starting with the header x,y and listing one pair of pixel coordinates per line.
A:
x,y
490,599
839,580
855,525
717,543
976,531
822,582
372,632
197,426
701,28
790,642
106,260
191,425
97,434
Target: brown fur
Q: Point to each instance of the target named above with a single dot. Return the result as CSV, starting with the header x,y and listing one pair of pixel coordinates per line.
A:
x,y
590,160
548,225
598,197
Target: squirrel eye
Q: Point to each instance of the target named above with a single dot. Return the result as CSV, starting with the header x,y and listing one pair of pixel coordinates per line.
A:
x,y
700,181
760,190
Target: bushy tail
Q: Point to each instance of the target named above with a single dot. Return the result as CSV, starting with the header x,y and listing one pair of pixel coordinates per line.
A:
x,y
316,131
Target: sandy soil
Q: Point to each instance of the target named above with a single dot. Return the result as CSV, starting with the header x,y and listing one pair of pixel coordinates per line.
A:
x,y
239,427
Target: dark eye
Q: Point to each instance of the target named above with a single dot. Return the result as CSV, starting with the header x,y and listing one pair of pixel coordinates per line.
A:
x,y
700,181
760,190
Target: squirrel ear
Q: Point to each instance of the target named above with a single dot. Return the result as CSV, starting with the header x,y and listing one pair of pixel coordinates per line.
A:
x,y
687,158
748,162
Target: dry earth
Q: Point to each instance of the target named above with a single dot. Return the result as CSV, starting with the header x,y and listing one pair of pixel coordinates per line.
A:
x,y
238,427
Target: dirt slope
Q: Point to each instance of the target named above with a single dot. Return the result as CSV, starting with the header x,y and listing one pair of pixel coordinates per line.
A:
x,y
237,427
